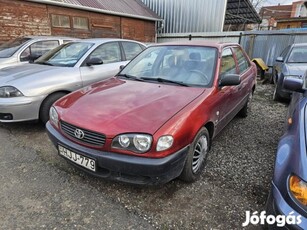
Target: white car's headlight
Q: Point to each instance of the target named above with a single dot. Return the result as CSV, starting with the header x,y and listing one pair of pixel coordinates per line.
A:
x,y
139,143
53,116
10,91
164,142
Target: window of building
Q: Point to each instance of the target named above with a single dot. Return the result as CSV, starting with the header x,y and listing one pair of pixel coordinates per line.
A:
x,y
80,23
60,21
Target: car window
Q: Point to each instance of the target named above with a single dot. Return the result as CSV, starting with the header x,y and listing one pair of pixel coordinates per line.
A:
x,y
190,65
298,55
108,53
37,49
131,49
7,49
65,55
285,52
228,64
243,62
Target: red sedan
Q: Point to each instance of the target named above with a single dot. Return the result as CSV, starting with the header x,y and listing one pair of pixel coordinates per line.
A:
x,y
155,120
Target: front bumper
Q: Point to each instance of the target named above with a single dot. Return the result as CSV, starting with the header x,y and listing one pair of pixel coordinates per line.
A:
x,y
17,109
125,168
279,206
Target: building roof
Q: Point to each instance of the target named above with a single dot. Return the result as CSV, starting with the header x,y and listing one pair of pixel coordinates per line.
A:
x,y
241,12
126,8
277,12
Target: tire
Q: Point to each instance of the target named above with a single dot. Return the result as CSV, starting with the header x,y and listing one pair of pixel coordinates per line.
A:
x,y
247,107
47,103
196,158
276,95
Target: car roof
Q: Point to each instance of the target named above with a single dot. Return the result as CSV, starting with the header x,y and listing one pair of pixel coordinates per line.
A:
x,y
49,37
103,40
198,43
299,44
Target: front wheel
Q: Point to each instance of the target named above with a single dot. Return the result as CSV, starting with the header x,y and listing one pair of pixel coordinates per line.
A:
x,y
197,156
47,103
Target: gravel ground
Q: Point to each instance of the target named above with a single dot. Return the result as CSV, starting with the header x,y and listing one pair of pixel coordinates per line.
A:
x,y
236,179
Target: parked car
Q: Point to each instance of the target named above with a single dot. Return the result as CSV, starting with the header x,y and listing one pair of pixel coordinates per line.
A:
x,y
292,62
24,49
28,91
156,119
288,195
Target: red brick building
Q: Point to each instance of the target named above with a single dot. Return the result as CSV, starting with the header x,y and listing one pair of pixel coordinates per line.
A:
x,y
128,19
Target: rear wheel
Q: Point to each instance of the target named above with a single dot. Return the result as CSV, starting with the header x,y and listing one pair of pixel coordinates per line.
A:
x,y
197,156
47,103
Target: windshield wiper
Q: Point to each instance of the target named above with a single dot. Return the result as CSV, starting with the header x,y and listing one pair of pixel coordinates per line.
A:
x,y
43,63
131,77
164,80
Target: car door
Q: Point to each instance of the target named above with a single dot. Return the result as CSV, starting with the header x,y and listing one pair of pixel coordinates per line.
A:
x,y
246,75
227,94
111,58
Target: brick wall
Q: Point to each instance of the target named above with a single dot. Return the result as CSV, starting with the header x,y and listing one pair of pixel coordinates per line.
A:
x,y
18,18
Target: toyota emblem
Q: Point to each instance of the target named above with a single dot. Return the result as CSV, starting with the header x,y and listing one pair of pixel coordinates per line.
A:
x,y
79,134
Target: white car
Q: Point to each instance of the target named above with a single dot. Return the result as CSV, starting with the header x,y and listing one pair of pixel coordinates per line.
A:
x,y
27,91
26,49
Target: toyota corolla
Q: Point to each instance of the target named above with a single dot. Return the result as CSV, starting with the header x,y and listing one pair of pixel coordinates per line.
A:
x,y
156,119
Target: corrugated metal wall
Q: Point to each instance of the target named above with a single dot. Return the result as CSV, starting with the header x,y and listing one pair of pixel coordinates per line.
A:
x,y
269,44
182,16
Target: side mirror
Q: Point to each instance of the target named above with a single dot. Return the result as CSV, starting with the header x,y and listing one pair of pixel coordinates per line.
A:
x,y
121,67
279,59
293,84
230,79
94,61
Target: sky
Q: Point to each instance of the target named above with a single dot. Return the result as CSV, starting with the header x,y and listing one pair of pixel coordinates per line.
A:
x,y
276,2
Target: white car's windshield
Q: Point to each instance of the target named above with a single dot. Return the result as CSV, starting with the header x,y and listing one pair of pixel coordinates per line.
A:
x,y
7,49
182,65
65,55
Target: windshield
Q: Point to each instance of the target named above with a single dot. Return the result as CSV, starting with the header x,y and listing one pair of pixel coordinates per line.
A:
x,y
66,55
298,55
7,49
184,65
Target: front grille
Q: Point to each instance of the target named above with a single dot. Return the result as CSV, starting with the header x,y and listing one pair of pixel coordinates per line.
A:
x,y
90,137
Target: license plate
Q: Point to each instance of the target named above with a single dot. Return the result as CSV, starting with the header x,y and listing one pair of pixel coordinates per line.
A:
x,y
77,158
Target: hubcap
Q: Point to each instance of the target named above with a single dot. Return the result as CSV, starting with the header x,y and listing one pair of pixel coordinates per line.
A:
x,y
200,152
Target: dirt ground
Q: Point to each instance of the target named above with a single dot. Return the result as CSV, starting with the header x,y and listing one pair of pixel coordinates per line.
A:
x,y
40,190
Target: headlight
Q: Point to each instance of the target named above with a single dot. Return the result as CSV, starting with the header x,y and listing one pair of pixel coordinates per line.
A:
x,y
298,188
53,116
9,91
164,142
138,143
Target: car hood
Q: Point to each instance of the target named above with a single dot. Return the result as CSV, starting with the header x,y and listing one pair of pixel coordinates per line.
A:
x,y
16,72
296,68
116,106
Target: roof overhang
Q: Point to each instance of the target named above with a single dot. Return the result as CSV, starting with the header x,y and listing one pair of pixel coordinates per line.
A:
x,y
79,7
241,12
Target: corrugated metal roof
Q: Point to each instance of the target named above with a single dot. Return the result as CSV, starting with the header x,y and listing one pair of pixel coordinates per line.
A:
x,y
129,8
241,12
